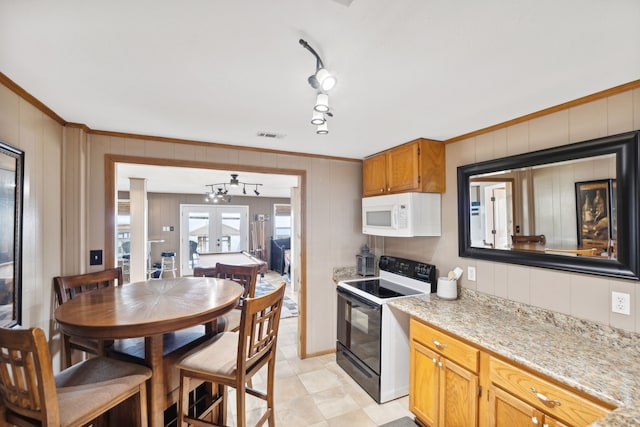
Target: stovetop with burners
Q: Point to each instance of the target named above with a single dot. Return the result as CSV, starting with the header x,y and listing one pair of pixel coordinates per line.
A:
x,y
398,277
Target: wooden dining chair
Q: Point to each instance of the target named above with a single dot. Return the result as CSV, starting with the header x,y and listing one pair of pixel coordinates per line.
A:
x,y
33,396
68,287
589,251
204,272
247,276
535,238
231,358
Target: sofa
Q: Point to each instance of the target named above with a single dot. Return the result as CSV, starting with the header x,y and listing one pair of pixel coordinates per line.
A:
x,y
280,255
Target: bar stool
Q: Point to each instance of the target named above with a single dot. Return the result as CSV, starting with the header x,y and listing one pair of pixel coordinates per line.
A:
x,y
167,263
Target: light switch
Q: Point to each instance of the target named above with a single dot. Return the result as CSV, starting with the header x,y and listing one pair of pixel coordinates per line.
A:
x,y
95,257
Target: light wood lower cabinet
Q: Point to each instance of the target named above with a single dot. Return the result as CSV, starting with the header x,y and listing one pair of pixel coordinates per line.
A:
x,y
441,391
509,411
555,404
453,383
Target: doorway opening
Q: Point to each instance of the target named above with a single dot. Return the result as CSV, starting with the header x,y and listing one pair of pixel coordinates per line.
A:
x,y
294,181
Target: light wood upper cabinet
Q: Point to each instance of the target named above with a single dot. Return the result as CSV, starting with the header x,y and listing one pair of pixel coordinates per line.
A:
x,y
418,166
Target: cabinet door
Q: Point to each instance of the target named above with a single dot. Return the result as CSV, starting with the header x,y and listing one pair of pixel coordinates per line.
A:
x,y
374,182
424,381
459,396
509,411
403,168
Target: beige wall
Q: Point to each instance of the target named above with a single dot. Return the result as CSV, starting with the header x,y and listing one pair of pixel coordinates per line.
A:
x,y
164,209
580,295
68,165
332,223
25,127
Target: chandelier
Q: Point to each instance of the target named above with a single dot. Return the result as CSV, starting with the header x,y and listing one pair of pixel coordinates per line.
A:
x,y
323,82
219,192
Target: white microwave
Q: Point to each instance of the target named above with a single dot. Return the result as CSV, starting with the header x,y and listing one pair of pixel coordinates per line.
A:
x,y
402,215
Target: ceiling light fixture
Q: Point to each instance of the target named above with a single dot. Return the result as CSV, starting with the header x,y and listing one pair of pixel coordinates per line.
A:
x,y
221,194
323,81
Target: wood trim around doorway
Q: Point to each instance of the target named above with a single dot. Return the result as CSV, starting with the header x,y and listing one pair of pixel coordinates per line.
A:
x,y
110,192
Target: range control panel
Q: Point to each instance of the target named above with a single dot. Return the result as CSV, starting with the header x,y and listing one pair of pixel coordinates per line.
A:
x,y
408,268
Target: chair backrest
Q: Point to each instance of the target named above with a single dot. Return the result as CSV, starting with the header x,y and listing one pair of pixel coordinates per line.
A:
x,y
204,272
246,275
27,385
259,324
67,287
539,238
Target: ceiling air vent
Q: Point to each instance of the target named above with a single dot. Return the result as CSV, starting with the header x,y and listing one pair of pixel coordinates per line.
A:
x,y
270,135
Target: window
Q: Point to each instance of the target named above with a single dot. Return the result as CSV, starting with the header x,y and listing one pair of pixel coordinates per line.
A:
x,y
281,221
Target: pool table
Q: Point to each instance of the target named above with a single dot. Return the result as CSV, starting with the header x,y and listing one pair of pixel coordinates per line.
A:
x,y
232,258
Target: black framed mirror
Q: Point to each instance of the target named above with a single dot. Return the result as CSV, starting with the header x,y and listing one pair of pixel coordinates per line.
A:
x,y
11,185
573,208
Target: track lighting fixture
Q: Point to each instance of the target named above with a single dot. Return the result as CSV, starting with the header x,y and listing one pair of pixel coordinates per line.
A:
x,y
221,194
323,82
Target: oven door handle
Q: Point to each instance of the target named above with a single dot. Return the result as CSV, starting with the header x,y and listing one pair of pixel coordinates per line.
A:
x,y
356,364
356,300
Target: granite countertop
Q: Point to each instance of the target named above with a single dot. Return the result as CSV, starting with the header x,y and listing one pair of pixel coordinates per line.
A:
x,y
345,273
600,361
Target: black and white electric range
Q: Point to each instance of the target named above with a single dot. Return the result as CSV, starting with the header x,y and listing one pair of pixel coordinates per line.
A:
x,y
373,338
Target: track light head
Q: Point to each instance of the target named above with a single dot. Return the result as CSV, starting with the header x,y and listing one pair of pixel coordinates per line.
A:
x,y
322,103
256,191
244,189
317,118
234,180
322,129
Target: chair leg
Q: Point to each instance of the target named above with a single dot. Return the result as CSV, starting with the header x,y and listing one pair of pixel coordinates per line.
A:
x,y
241,404
67,351
270,387
183,400
142,401
223,391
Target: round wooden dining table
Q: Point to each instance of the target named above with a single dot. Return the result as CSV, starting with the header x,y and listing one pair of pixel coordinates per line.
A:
x,y
149,309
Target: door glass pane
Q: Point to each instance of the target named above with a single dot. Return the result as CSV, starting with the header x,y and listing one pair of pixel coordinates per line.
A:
x,y
230,240
198,235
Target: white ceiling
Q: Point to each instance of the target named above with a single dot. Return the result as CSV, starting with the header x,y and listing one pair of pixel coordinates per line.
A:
x,y
221,71
163,179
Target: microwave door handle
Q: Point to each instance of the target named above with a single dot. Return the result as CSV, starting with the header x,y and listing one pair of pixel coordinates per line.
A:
x,y
394,217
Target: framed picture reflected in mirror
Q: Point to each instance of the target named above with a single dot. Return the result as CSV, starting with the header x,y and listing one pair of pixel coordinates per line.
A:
x,y
11,187
594,213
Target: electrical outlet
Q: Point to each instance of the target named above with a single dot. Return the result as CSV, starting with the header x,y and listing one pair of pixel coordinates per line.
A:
x,y
471,274
620,303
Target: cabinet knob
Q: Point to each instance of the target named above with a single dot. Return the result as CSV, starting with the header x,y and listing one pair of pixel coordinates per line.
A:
x,y
389,189
440,364
534,420
434,361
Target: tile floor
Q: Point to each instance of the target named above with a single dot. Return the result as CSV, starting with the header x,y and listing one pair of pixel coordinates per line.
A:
x,y
316,392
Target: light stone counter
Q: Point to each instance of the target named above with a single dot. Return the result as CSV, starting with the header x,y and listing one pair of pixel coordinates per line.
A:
x,y
600,361
345,273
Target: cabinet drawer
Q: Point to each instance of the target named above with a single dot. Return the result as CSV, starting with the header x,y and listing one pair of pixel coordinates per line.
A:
x,y
560,403
454,350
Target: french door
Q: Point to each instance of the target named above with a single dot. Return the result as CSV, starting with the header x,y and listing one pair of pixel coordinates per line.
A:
x,y
209,229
